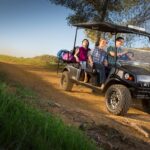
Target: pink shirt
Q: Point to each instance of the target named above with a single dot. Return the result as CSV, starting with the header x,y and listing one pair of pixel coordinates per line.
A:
x,y
83,54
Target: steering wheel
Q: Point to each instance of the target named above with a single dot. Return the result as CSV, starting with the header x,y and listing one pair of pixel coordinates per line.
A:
x,y
131,54
127,56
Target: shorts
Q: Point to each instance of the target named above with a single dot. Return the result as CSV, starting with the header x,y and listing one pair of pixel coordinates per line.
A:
x,y
83,65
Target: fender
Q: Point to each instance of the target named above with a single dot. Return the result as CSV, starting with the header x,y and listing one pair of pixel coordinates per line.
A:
x,y
111,82
73,72
118,81
66,69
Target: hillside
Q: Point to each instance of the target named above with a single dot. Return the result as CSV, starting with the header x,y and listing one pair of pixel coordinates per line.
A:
x,y
43,60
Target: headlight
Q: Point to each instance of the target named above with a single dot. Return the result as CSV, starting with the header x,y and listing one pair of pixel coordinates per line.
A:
x,y
126,76
129,77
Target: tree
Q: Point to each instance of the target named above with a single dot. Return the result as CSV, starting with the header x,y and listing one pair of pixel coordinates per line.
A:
x,y
123,12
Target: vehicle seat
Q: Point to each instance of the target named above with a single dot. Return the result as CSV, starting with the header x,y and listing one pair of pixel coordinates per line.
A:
x,y
92,74
76,65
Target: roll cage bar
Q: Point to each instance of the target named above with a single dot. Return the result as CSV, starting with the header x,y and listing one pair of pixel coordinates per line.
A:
x,y
111,28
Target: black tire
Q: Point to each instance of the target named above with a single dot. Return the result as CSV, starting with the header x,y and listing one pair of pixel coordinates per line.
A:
x,y
146,105
65,82
118,99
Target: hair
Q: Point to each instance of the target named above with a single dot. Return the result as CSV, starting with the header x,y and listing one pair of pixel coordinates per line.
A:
x,y
119,38
87,41
100,39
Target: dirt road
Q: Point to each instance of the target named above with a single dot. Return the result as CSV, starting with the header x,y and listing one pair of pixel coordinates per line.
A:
x,y
80,106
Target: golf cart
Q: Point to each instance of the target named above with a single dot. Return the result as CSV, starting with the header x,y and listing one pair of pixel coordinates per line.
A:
x,y
126,80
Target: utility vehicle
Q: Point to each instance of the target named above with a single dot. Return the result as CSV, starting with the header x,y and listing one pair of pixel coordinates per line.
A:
x,y
126,80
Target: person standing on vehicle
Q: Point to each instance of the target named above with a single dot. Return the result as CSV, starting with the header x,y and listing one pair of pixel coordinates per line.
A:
x,y
111,51
81,56
99,59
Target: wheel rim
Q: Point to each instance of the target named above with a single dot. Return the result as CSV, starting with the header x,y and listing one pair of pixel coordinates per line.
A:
x,y
113,99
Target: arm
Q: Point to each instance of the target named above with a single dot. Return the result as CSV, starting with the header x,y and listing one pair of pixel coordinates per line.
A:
x,y
90,60
122,53
105,62
111,52
76,55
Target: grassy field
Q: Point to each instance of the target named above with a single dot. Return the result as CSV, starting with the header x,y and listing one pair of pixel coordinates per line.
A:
x,y
44,60
23,127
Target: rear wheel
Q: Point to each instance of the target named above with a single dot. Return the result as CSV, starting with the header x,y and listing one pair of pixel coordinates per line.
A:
x,y
146,105
118,99
65,82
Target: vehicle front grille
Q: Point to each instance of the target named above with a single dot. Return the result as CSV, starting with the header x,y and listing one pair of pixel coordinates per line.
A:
x,y
144,84
143,90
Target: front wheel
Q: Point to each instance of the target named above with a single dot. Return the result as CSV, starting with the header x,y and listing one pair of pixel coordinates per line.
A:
x,y
65,82
118,99
146,105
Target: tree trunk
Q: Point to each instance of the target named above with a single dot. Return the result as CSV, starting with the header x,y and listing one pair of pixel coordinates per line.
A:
x,y
104,13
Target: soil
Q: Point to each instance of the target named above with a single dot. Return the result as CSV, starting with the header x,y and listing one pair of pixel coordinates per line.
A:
x,y
84,109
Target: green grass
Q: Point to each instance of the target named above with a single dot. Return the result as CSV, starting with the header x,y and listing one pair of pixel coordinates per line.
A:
x,y
44,60
23,127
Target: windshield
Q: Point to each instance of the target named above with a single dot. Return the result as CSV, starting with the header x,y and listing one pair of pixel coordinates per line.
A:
x,y
141,58
134,63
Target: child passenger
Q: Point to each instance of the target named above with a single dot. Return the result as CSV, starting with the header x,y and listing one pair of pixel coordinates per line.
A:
x,y
81,56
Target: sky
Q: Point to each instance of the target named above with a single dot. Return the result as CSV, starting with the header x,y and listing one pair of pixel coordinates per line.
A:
x,y
31,28
34,27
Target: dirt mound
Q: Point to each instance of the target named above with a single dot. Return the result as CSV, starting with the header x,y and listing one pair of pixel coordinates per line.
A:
x,y
112,139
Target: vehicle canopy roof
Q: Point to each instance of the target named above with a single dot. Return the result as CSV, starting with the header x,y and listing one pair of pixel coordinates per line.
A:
x,y
112,28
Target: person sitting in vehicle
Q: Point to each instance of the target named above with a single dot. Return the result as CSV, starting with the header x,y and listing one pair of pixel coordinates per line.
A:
x,y
111,51
99,60
81,56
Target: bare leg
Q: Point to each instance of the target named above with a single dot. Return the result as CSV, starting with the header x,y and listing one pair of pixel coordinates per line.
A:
x,y
85,77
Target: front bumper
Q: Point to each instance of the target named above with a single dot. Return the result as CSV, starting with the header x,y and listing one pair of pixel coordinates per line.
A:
x,y
142,90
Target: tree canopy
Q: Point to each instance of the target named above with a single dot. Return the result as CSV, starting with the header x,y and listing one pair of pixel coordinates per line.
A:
x,y
123,12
